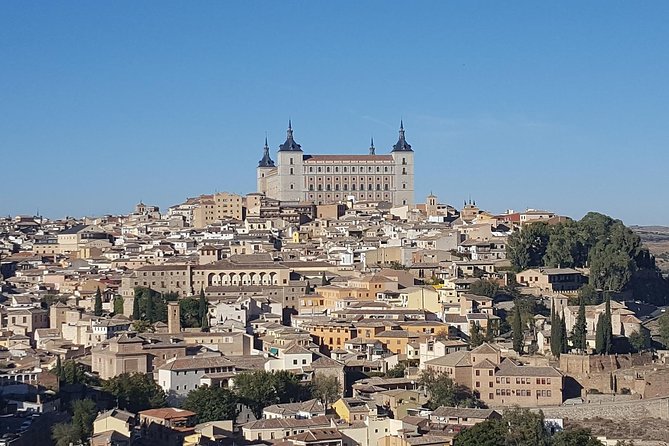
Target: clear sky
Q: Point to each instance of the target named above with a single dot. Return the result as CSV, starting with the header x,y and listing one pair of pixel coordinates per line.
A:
x,y
556,105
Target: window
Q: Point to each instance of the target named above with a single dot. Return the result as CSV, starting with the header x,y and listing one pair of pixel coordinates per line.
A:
x,y
291,161
291,171
327,169
311,187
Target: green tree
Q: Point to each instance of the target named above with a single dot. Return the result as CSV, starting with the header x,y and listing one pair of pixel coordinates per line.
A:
x,y
640,341
517,330
260,388
575,437
118,305
83,415
190,312
141,326
444,391
556,343
475,336
97,306
663,325
136,312
58,371
202,307
150,314
73,373
579,334
589,295
135,392
397,371
64,434
326,388
211,403
484,288
564,345
604,331
487,433
526,248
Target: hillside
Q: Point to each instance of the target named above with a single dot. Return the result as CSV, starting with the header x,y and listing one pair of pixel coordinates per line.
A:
x,y
656,239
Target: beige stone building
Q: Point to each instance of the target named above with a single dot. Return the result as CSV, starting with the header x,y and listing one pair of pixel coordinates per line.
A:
x,y
324,179
501,381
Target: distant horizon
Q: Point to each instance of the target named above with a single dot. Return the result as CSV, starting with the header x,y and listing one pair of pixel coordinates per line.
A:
x,y
522,105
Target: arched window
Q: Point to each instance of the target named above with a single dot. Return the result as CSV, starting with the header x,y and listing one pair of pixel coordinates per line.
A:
x,y
336,187
352,186
291,171
327,187
345,186
327,169
320,187
311,187
385,186
291,186
404,171
378,187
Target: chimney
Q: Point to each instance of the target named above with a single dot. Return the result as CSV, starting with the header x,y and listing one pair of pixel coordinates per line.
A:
x,y
173,317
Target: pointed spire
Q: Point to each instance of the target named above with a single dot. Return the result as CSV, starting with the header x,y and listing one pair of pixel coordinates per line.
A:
x,y
402,144
290,144
266,160
372,150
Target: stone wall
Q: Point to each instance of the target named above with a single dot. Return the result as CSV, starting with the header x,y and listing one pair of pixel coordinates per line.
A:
x,y
619,410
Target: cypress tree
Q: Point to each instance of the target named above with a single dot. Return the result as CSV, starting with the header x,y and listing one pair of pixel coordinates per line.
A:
x,y
608,328
59,368
150,308
555,334
136,313
475,337
97,306
202,307
205,324
599,335
579,339
517,330
564,346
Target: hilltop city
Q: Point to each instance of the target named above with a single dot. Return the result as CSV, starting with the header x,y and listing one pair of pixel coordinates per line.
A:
x,y
331,307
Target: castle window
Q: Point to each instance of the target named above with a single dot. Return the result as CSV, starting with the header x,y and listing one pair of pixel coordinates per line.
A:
x,y
378,187
327,187
336,169
327,169
311,169
385,169
385,186
311,187
378,169
336,187
404,202
319,169
291,161
344,168
345,186
352,169
352,186
404,160
404,185
404,171
291,171
320,187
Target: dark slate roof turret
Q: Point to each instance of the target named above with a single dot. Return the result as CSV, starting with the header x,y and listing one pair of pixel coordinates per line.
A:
x,y
290,145
402,144
266,161
372,150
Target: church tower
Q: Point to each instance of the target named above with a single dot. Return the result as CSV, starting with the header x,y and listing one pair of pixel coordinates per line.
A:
x,y
290,168
265,166
404,164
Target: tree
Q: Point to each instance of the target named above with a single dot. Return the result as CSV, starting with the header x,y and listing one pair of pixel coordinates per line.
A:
x,y
575,437
489,333
141,326
135,392
58,371
518,427
640,340
475,336
579,334
604,331
202,307
150,314
326,388
589,295
64,434
190,312
118,305
663,324
397,371
136,314
211,403
83,414
556,343
517,330
484,288
260,389
526,248
97,306
444,391
564,345
72,373
487,433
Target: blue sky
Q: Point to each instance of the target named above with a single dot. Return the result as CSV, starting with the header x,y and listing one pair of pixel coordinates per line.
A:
x,y
557,105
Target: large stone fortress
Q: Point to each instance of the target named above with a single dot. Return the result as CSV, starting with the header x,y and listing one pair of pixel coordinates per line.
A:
x,y
323,179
